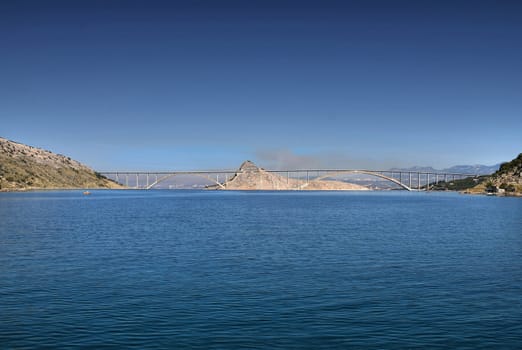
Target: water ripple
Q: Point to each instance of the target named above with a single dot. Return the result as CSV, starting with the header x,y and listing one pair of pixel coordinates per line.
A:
x,y
210,270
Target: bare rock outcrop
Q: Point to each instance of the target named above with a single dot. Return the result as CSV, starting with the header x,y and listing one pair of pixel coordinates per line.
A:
x,y
251,177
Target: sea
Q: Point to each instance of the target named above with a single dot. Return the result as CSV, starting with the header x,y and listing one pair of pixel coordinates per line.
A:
x,y
193,269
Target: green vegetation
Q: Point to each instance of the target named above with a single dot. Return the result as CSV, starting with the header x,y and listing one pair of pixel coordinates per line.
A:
x,y
508,187
23,167
100,176
512,167
490,187
459,185
506,181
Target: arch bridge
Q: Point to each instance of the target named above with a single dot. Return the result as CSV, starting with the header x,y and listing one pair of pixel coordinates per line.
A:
x,y
217,179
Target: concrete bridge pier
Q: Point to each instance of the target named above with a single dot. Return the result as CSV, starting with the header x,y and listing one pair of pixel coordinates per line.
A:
x,y
406,179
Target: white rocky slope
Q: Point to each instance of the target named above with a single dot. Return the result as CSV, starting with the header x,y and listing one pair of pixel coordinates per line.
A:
x,y
251,177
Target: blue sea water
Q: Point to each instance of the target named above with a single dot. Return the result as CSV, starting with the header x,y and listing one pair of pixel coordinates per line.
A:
x,y
260,270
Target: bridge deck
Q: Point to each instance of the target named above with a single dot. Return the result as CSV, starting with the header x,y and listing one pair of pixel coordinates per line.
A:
x,y
408,180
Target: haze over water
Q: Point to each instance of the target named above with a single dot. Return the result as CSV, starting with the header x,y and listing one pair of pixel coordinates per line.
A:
x,y
196,269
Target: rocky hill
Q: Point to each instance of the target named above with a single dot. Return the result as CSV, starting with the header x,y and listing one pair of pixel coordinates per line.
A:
x,y
24,167
510,171
507,179
251,177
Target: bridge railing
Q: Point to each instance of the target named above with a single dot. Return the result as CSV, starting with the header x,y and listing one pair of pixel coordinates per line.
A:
x,y
375,179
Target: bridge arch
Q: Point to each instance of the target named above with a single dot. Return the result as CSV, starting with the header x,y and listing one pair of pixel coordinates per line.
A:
x,y
366,172
168,176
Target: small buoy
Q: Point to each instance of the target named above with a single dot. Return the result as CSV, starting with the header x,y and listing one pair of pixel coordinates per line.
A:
x,y
86,193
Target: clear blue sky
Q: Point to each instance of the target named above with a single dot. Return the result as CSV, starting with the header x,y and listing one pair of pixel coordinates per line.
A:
x,y
158,85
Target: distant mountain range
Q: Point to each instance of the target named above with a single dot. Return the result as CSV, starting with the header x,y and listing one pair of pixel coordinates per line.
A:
x,y
462,169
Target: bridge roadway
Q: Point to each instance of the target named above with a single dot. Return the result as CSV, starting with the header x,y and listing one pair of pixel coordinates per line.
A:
x,y
408,180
